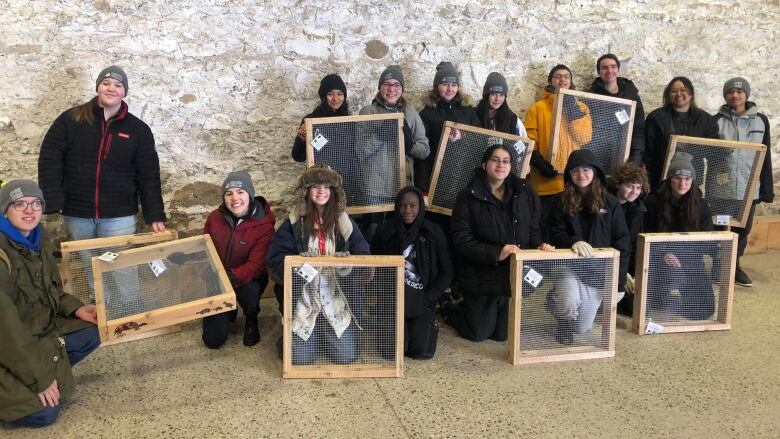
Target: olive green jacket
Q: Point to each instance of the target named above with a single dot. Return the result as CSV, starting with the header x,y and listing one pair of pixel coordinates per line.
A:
x,y
33,316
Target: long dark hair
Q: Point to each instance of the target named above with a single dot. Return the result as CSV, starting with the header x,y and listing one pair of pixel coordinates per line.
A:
x,y
85,112
330,214
324,110
687,83
688,218
503,120
574,202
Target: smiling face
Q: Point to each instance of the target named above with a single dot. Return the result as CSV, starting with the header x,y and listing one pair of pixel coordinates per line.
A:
x,y
628,192
409,207
447,91
26,219
680,185
609,71
582,177
736,99
319,195
498,165
110,93
561,78
496,100
391,90
334,99
237,201
680,96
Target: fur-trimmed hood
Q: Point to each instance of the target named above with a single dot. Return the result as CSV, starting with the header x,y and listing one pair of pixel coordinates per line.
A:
x,y
461,99
318,175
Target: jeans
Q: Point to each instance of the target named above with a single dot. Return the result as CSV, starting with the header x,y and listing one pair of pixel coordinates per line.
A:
x,y
342,350
78,344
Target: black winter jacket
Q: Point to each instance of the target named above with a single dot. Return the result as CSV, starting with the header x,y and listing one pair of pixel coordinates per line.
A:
x,y
100,170
479,231
635,220
322,110
627,90
654,211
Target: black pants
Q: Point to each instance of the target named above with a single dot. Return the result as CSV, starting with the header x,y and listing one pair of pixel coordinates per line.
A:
x,y
480,317
544,215
216,327
419,342
742,233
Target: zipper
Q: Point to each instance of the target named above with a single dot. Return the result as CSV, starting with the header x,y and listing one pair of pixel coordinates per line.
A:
x,y
103,149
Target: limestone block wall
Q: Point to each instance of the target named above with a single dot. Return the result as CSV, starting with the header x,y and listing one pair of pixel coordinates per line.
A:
x,y
224,83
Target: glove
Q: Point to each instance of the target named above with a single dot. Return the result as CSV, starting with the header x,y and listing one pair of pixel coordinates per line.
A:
x,y
179,258
571,109
408,138
583,249
342,254
543,166
629,284
309,254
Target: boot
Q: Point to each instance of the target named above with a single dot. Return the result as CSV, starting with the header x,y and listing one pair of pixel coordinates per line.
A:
x,y
564,333
251,331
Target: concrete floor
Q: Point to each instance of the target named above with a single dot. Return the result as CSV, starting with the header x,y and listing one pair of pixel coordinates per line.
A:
x,y
717,384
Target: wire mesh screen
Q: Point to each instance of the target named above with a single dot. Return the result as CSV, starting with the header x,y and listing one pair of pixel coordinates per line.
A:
x,y
76,264
459,152
686,281
727,173
343,317
600,124
160,285
367,151
563,306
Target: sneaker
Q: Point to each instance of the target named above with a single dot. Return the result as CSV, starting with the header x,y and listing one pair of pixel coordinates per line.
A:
x,y
741,278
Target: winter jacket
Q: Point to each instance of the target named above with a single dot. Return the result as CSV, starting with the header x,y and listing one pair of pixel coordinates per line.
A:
x,y
299,145
242,246
420,149
576,133
660,125
634,212
100,170
479,231
752,127
654,211
433,116
627,90
34,313
433,261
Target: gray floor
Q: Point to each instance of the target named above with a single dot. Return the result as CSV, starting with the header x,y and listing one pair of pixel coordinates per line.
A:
x,y
717,384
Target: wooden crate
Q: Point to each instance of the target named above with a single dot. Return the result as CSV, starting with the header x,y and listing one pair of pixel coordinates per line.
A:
x,y
377,322
707,263
460,151
532,324
193,285
357,148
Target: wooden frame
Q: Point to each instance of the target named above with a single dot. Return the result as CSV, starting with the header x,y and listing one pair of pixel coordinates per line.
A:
x,y
608,312
555,134
167,316
348,370
722,320
312,123
726,144
437,205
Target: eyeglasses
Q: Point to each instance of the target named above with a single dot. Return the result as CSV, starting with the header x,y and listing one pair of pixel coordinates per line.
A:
x,y
559,77
393,85
22,205
497,161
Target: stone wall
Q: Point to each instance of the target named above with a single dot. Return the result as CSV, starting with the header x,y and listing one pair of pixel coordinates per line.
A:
x,y
224,84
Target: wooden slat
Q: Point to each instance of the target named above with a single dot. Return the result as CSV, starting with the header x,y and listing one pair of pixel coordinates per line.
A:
x,y
530,358
355,118
515,307
433,184
117,241
141,335
378,208
142,255
641,283
598,97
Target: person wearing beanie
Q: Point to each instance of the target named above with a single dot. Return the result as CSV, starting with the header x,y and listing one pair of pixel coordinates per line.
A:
x,y
45,331
333,102
679,115
428,268
319,226
241,229
576,131
444,102
739,120
493,109
585,216
97,161
678,206
610,83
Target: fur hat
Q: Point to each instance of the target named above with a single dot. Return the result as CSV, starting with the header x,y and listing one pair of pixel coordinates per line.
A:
x,y
315,176
114,72
16,189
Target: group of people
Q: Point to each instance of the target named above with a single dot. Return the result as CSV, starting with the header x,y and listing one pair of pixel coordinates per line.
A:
x,y
98,161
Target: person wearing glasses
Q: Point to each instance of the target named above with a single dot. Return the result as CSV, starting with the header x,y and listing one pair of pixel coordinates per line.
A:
x,y
495,216
45,331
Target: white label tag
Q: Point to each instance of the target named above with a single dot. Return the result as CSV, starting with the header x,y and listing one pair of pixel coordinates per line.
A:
x,y
157,266
108,256
622,116
307,272
520,147
533,277
653,328
722,220
318,141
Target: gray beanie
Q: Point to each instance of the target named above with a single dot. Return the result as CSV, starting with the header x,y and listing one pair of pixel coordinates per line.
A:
x,y
16,189
445,72
739,83
239,179
114,72
681,165
392,72
495,83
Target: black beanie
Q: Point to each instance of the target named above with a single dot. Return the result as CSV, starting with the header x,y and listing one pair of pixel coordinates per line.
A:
x,y
114,72
332,82
445,72
495,83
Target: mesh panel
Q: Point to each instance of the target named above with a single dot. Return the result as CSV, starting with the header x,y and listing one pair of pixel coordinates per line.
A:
x,y
343,320
76,265
608,137
562,306
461,153
725,172
367,152
687,280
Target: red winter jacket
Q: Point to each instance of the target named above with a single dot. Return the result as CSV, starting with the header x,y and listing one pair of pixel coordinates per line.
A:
x,y
242,248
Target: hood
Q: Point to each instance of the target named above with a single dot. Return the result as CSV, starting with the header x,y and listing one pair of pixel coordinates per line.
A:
x,y
405,191
461,99
751,110
583,157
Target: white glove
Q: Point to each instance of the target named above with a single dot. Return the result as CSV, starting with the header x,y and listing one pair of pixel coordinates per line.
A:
x,y
583,249
629,284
